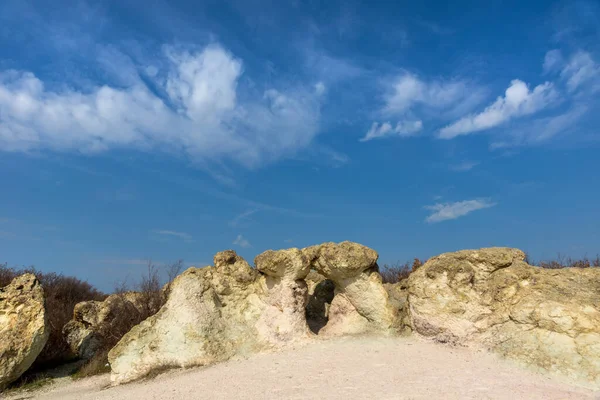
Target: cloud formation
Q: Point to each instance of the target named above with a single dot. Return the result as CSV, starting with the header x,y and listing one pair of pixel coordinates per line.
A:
x,y
448,211
518,101
410,98
192,103
242,242
580,70
180,235
402,129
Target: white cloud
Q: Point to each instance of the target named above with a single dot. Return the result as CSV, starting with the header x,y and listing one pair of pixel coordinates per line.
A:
x,y
242,242
543,129
518,101
240,217
201,111
553,61
402,129
320,88
181,235
410,99
447,211
409,90
464,166
580,70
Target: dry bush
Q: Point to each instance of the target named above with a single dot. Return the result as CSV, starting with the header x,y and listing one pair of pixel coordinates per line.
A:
x,y
62,293
153,293
567,262
396,272
153,288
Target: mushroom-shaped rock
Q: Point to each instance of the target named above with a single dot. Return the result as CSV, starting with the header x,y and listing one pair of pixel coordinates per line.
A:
x,y
23,330
361,302
284,318
491,298
290,264
343,260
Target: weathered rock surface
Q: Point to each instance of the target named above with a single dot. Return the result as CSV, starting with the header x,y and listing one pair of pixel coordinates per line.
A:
x,y
98,324
361,303
284,317
549,319
321,292
214,313
23,330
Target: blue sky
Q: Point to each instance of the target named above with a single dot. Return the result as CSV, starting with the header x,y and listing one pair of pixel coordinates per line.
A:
x,y
134,130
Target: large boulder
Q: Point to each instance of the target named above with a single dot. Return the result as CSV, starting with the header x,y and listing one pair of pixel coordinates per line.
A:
x,y
214,313
98,325
361,303
23,329
547,319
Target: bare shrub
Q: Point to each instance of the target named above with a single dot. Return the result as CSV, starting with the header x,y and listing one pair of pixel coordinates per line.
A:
x,y
396,272
562,261
62,293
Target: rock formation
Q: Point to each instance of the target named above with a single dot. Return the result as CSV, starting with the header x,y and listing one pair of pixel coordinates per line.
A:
x,y
490,298
361,303
99,324
23,330
213,313
548,319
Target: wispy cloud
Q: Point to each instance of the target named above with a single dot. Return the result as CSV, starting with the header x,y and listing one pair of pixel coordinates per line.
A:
x,y
580,70
242,242
448,211
241,217
181,235
409,99
408,91
402,129
564,101
464,166
518,101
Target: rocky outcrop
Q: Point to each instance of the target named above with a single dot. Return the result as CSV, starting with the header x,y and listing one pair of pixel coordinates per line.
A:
x,y
489,298
548,319
23,330
214,313
98,325
361,303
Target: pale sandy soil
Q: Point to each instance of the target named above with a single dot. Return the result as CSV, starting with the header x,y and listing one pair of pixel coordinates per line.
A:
x,y
359,368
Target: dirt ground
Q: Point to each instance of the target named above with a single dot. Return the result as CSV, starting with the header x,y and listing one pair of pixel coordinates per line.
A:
x,y
358,368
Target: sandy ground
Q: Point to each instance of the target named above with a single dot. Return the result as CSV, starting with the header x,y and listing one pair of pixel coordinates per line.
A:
x,y
359,368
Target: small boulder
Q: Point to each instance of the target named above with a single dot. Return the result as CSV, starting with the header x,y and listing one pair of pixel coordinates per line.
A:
x,y
23,329
99,325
